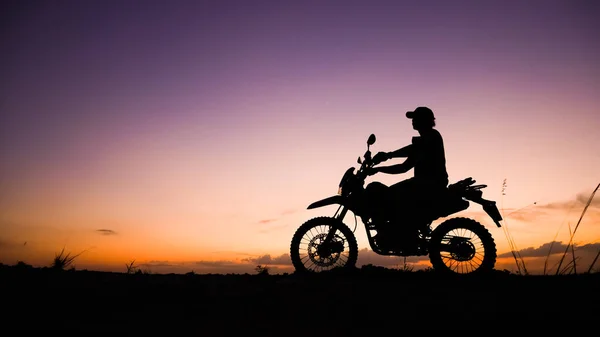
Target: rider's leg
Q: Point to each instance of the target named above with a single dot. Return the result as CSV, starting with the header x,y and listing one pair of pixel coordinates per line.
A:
x,y
401,196
403,211
377,197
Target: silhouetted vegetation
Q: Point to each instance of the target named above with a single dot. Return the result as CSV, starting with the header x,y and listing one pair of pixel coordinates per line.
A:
x,y
262,270
63,260
131,267
340,302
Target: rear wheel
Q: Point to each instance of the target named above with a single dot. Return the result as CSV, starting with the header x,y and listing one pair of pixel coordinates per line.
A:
x,y
310,253
462,246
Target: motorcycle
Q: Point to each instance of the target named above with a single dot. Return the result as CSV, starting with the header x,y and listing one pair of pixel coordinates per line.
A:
x,y
458,245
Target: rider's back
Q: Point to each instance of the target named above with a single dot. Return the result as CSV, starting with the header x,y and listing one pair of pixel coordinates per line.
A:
x,y
430,158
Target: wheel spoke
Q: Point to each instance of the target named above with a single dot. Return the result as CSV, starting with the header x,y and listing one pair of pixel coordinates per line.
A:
x,y
311,243
466,250
310,251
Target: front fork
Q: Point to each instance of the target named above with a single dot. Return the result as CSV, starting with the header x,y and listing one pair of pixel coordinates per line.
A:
x,y
339,215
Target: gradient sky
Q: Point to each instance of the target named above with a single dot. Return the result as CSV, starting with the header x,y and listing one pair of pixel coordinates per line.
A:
x,y
191,135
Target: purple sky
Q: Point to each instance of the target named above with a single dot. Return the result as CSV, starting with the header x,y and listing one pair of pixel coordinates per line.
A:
x,y
72,67
102,99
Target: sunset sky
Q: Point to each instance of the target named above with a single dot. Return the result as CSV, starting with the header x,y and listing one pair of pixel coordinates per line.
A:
x,y
192,135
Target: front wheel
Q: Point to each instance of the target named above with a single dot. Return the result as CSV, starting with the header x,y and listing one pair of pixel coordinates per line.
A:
x,y
310,253
462,246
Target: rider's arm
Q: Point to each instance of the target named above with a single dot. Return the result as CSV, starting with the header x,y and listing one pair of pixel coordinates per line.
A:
x,y
401,153
398,168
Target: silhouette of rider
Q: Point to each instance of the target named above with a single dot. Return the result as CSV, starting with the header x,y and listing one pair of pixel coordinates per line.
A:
x,y
426,155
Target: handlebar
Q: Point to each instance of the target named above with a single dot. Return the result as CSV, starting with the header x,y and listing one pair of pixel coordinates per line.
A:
x,y
367,162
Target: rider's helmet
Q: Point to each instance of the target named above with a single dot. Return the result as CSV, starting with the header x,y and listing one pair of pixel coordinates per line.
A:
x,y
422,113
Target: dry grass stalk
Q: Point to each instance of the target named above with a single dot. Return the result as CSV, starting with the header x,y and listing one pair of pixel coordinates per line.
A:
x,y
593,263
576,227
522,269
573,252
62,260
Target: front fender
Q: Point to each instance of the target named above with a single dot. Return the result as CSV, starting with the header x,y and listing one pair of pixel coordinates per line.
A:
x,y
336,199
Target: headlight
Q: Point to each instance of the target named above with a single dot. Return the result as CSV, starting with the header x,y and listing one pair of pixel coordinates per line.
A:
x,y
340,190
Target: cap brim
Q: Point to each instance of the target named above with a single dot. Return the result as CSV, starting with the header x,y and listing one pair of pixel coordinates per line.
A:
x,y
410,114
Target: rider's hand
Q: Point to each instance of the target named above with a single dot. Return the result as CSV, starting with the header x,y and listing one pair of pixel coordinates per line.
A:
x,y
379,157
369,171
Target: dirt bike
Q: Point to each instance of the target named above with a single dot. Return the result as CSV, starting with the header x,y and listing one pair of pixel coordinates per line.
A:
x,y
457,245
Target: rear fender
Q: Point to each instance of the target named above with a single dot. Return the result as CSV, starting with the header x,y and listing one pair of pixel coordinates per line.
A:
x,y
492,210
489,207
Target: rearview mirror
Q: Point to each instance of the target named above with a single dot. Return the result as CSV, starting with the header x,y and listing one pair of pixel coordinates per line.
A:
x,y
371,140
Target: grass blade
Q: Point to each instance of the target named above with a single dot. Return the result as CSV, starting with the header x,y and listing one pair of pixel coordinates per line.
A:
x,y
593,262
577,226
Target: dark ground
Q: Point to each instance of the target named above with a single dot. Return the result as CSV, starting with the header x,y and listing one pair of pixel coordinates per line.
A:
x,y
360,303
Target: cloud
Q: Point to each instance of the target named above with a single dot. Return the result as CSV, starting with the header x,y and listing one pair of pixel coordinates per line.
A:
x,y
584,198
541,251
271,229
555,247
589,248
282,214
536,212
580,200
106,232
283,259
585,259
365,256
221,264
160,264
289,212
537,260
231,252
199,267
526,215
277,265
245,266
